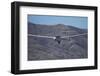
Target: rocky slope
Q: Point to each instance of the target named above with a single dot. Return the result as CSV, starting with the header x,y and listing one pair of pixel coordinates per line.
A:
x,y
48,49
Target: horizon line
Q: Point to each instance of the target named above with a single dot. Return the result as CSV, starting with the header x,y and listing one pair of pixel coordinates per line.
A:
x,y
56,24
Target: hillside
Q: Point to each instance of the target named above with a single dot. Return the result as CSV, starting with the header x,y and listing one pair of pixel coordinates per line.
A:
x,y
46,49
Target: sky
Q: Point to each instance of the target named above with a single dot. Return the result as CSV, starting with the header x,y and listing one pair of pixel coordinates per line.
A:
x,y
76,21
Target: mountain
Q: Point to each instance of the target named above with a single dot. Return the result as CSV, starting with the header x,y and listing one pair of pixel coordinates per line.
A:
x,y
49,49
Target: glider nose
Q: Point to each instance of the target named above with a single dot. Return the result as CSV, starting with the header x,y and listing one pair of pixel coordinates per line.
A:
x,y
54,38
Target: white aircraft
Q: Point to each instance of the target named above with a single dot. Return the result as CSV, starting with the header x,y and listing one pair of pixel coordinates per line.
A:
x,y
57,38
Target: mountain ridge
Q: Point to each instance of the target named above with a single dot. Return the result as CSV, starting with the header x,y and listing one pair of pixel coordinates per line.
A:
x,y
48,49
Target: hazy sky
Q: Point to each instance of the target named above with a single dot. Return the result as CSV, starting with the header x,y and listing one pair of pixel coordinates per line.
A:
x,y
81,22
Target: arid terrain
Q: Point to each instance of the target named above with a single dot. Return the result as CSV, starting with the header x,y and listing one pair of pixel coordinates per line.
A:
x,y
49,49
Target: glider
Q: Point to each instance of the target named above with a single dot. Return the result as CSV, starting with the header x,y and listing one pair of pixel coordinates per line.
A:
x,y
57,38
